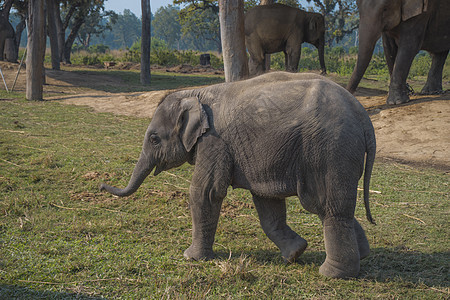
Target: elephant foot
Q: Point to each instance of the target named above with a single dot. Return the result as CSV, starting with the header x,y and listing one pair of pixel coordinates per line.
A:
x,y
396,97
336,269
294,250
429,90
195,253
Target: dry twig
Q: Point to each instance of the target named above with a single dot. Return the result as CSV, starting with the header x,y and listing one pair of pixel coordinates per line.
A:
x,y
414,218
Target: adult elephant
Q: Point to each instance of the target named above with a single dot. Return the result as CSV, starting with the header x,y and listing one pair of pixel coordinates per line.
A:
x,y
277,135
6,32
406,26
277,27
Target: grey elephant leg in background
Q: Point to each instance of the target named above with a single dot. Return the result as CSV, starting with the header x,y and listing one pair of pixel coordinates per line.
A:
x,y
363,244
342,249
390,51
292,55
272,216
398,91
434,80
409,47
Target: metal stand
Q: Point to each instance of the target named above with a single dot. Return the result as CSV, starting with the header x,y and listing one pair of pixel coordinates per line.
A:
x,y
4,82
18,71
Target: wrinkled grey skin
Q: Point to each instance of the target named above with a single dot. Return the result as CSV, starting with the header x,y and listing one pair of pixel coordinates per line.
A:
x,y
277,27
276,135
406,27
6,32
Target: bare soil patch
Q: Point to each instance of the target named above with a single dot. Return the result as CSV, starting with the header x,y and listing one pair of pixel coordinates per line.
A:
x,y
417,132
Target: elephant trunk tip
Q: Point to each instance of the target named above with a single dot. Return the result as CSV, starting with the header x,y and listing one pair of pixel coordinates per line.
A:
x,y
102,187
115,191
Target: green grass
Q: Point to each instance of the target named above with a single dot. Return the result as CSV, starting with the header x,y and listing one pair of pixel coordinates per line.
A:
x,y
62,238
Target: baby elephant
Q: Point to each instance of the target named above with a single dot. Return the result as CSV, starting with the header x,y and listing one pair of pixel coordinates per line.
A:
x,y
276,135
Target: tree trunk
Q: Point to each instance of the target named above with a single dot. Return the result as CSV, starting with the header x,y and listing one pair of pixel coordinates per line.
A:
x,y
145,42
71,38
35,55
61,34
53,34
231,17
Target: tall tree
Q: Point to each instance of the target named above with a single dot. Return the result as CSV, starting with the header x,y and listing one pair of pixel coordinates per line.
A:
x,y
94,25
127,29
231,15
36,49
145,42
72,14
166,26
53,33
202,21
339,17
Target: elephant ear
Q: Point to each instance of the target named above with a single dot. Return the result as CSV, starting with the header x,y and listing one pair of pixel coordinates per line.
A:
x,y
313,25
412,8
193,122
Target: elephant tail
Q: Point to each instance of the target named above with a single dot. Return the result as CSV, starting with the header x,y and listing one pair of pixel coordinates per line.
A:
x,y
370,159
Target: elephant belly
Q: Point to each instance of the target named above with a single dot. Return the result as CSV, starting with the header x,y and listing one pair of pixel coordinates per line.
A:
x,y
262,185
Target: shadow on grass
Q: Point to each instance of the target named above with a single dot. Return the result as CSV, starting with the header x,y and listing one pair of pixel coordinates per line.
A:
x,y
124,81
20,292
382,265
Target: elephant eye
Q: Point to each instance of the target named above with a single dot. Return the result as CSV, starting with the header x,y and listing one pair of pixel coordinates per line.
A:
x,y
154,139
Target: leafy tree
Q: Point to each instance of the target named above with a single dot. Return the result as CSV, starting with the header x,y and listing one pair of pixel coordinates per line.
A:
x,y
95,25
127,29
75,13
201,20
340,17
166,25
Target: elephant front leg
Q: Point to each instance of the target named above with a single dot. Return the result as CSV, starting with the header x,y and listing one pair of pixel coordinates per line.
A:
x,y
407,50
342,248
434,79
272,216
205,214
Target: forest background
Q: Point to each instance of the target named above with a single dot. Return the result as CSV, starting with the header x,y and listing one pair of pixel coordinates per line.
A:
x,y
188,28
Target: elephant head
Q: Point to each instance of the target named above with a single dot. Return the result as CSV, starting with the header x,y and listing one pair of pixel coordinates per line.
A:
x,y
315,35
377,16
169,140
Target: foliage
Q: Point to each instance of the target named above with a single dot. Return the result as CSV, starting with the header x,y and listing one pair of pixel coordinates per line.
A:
x,y
341,17
202,22
166,25
94,24
63,239
125,30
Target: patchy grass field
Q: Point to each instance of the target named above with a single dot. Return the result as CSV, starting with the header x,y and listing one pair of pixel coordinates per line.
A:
x,y
62,238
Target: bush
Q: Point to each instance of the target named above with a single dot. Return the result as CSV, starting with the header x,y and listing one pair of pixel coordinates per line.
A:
x,y
420,66
98,48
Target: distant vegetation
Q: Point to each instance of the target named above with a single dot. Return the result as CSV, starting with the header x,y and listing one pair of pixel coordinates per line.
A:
x,y
337,59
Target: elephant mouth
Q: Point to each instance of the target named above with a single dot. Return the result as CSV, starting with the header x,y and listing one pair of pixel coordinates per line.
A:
x,y
159,168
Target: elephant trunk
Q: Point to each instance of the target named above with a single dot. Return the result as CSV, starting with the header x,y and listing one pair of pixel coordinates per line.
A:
x,y
366,46
142,169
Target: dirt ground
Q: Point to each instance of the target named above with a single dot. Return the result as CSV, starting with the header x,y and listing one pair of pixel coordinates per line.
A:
x,y
416,133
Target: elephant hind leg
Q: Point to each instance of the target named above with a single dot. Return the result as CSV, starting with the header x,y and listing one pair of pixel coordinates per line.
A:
x,y
341,246
363,243
272,216
434,79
